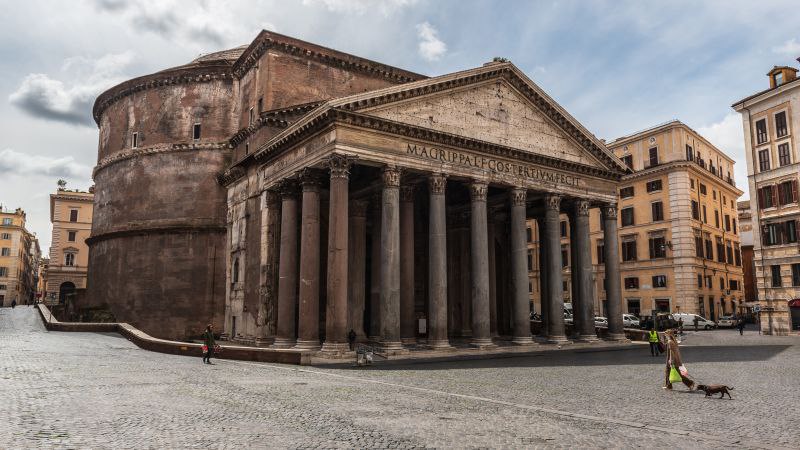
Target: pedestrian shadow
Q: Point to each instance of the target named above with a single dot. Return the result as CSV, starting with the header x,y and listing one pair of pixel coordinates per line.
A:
x,y
586,357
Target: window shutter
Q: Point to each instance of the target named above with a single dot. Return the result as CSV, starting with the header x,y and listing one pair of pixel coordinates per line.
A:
x,y
774,193
794,191
652,248
797,230
760,197
781,194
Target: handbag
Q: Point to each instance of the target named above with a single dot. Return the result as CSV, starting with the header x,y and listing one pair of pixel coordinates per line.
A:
x,y
205,349
674,375
683,370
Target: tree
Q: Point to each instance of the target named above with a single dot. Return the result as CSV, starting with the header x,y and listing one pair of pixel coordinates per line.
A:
x,y
62,183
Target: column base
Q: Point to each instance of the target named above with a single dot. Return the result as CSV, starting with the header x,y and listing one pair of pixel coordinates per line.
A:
x,y
440,344
374,338
391,346
558,339
587,338
312,344
409,341
335,347
264,342
482,343
281,343
522,340
617,337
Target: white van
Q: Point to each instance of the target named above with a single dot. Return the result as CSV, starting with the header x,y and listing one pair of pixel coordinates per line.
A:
x,y
688,321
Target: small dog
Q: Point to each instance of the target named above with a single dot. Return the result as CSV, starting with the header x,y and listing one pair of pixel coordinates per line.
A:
x,y
715,389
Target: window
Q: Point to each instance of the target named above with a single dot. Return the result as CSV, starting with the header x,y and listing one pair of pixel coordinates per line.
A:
x,y
3,287
565,286
246,148
695,210
763,160
727,222
634,307
720,251
196,132
628,160
708,281
601,255
691,183
235,274
787,192
654,185
5,236
705,215
778,78
629,251
627,216
69,259
5,251
767,197
658,247
563,227
716,218
772,234
795,274
780,124
784,159
699,280
653,157
135,140
689,153
761,131
564,256
714,194
703,189
529,236
709,249
776,276
626,192
252,117
737,256
3,271
729,252
659,281
658,211
530,260
7,221
721,283
632,283
260,104
71,236
698,246
73,215
790,231
734,285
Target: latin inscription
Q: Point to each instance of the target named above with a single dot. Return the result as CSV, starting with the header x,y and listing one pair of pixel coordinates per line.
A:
x,y
529,172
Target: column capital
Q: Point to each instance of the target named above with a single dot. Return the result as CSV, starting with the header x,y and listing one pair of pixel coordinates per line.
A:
x,y
477,191
609,210
391,176
552,202
287,188
437,183
272,198
582,207
358,208
518,196
339,165
407,193
310,179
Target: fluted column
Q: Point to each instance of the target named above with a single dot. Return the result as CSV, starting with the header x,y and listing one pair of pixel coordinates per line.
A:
x,y
554,279
481,333
582,267
358,266
308,332
390,260
287,271
374,331
336,317
519,269
268,307
437,265
613,289
407,317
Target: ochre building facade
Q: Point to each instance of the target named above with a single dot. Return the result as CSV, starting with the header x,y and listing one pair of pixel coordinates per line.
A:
x,y
19,259
71,219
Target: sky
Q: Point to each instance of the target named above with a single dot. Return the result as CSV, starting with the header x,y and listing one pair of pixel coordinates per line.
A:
x,y
617,66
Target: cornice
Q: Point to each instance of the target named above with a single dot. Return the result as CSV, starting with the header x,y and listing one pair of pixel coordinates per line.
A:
x,y
154,150
295,47
277,117
160,227
73,198
671,166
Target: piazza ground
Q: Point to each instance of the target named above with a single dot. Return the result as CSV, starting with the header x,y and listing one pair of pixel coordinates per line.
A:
x,y
88,390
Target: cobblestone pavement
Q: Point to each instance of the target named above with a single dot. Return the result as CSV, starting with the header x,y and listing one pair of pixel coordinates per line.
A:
x,y
89,390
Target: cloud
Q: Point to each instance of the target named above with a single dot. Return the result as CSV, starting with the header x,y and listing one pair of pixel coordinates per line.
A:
x,y
361,7
47,98
16,163
789,48
430,47
728,136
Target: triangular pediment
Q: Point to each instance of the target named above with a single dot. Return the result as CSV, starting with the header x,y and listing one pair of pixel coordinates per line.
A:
x,y
492,111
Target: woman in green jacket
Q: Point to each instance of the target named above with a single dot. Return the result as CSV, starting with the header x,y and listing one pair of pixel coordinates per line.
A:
x,y
208,339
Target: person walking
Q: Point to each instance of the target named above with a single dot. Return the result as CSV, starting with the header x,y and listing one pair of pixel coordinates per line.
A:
x,y
696,321
653,339
351,339
13,304
740,326
208,340
674,360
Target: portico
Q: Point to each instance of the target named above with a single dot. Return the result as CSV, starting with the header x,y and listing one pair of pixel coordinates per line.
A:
x,y
425,189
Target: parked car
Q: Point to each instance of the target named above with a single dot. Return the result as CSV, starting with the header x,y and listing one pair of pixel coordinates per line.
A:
x,y
727,322
630,321
688,321
664,321
600,321
567,318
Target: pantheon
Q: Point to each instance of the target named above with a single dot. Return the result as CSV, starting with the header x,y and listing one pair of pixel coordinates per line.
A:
x,y
289,193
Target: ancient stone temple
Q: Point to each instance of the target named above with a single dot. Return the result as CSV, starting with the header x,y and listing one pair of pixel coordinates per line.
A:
x,y
348,195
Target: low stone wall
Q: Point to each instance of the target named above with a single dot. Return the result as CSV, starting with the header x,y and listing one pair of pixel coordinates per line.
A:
x,y
147,342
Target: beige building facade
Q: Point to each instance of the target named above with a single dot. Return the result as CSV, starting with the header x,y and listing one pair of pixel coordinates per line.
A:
x,y
19,258
71,218
770,119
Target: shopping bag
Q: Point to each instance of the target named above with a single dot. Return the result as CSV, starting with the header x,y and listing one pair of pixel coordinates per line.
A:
x,y
205,349
674,375
683,370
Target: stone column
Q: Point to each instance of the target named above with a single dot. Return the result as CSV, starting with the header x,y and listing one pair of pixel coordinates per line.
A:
x,y
519,269
407,317
481,333
358,266
544,290
308,323
553,261
287,271
437,264
613,289
336,317
267,311
375,272
492,280
582,267
390,260
575,298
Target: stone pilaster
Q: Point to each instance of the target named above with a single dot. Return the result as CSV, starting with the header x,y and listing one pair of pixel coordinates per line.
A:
x,y
437,241
287,271
407,316
481,333
555,292
613,288
390,260
375,271
308,332
519,269
268,308
582,270
358,266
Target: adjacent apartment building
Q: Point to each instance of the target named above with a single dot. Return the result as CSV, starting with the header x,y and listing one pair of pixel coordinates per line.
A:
x,y
746,236
679,238
770,118
71,217
19,257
